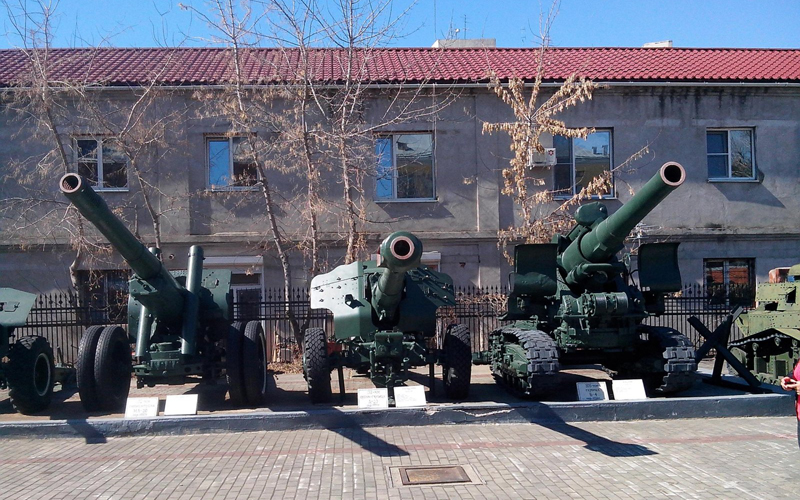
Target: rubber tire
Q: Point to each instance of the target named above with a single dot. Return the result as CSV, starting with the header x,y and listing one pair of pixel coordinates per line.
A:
x,y
233,364
112,368
84,368
31,374
254,363
316,366
457,366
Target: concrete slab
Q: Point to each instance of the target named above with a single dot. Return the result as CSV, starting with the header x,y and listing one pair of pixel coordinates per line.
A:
x,y
288,407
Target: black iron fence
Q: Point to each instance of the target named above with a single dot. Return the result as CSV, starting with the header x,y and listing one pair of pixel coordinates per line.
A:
x,y
62,318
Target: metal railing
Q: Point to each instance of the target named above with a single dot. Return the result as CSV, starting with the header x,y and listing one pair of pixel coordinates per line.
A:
x,y
61,318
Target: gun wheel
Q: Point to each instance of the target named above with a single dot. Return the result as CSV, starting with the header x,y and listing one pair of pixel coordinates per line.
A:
x,y
254,363
112,368
30,374
84,368
316,367
457,365
233,364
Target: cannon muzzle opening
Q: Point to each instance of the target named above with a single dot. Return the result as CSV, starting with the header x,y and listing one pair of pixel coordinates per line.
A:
x,y
401,252
71,183
672,174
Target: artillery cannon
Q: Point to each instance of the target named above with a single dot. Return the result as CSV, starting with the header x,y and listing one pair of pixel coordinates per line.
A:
x,y
180,323
29,373
573,301
384,317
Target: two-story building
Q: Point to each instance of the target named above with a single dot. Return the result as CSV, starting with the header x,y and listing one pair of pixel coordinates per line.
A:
x,y
731,117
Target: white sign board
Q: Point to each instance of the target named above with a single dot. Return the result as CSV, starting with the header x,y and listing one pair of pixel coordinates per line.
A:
x,y
407,397
373,398
183,404
592,391
628,389
141,407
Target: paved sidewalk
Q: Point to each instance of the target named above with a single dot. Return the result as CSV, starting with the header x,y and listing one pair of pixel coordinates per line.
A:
x,y
753,458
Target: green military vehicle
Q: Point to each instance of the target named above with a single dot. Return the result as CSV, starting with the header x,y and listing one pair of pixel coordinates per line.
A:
x,y
179,322
573,301
385,322
770,346
29,372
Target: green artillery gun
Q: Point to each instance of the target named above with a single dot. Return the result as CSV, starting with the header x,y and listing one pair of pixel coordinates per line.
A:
x,y
180,323
573,301
770,346
384,321
29,373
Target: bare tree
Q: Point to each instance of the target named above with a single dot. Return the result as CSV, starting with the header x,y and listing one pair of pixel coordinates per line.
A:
x,y
536,113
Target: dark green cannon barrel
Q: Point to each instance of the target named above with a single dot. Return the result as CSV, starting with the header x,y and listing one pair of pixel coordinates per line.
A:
x,y
400,253
160,293
605,239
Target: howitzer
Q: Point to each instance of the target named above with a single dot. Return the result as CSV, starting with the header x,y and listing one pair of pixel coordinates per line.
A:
x,y
384,316
179,321
574,301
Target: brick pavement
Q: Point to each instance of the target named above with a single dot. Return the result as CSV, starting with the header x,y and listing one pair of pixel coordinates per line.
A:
x,y
753,458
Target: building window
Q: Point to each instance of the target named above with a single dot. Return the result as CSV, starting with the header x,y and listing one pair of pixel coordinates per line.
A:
x,y
405,167
579,161
102,162
105,295
730,154
231,163
730,282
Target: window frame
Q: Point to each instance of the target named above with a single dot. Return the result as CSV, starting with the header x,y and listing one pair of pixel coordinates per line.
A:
x,y
560,195
730,177
208,138
99,139
726,286
394,199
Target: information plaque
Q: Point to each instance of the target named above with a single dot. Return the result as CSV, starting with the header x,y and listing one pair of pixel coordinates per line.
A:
x,y
373,398
141,407
592,391
181,404
408,397
628,389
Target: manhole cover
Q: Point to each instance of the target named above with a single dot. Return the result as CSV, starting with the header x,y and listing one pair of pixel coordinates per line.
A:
x,y
433,475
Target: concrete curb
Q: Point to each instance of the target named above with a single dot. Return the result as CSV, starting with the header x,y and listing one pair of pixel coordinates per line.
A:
x,y
97,429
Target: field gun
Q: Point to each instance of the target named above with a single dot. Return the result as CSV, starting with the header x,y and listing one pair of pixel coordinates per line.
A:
x,y
180,323
572,301
384,318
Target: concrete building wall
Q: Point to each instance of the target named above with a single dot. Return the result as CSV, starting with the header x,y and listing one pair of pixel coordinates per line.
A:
x,y
755,219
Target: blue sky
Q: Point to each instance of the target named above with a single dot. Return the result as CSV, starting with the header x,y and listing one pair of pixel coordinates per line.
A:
x,y
513,23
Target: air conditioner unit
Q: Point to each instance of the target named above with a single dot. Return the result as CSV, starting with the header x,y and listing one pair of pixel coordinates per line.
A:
x,y
546,159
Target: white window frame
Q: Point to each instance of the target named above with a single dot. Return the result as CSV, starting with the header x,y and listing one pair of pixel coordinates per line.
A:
x,y
559,195
394,198
229,138
730,177
100,174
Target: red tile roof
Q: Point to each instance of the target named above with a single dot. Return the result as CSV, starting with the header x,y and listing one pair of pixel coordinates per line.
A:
x,y
185,66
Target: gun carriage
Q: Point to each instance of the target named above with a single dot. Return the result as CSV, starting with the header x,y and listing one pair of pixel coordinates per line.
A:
x,y
179,323
572,301
384,321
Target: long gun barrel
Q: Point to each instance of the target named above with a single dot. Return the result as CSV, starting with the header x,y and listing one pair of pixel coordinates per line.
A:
x,y
605,239
400,253
165,299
